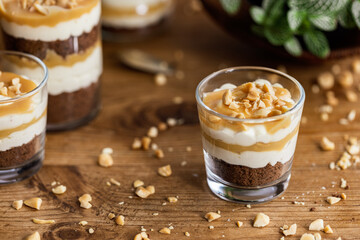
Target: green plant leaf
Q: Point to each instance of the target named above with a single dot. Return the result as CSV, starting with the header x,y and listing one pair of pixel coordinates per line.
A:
x,y
279,33
231,6
324,22
355,9
317,43
273,10
318,6
295,18
257,14
345,17
293,47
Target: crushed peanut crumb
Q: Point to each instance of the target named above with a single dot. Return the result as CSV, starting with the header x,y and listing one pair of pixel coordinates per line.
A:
x,y
142,192
17,204
328,229
326,144
261,220
160,79
34,236
111,216
187,234
136,144
138,183
239,224
83,223
59,189
333,200
326,80
159,154
211,216
41,221
105,160
91,230
162,126
307,236
165,231
33,203
146,143
120,220
165,171
85,201
153,132
291,230
317,225
113,181
172,199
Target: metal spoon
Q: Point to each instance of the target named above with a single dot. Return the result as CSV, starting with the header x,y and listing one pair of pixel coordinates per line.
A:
x,y
142,61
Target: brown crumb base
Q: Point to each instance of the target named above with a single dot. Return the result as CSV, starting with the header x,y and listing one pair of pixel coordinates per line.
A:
x,y
74,106
245,176
18,155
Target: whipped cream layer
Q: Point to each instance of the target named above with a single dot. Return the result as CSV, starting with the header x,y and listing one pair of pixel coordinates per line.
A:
x,y
70,78
24,126
61,31
141,17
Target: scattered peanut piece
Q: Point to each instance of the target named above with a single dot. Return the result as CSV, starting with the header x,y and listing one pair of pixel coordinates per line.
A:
x,y
171,122
211,227
326,80
142,192
331,98
291,230
146,143
172,199
326,144
239,224
159,154
136,144
178,100
351,96
33,203
317,225
111,216
187,234
307,236
83,223
151,189
351,115
165,231
211,216
113,181
17,204
105,160
91,230
120,220
344,161
345,79
261,220
333,200
336,69
41,221
328,229
317,236
160,79
153,132
59,189
138,183
85,201
343,183
141,236
34,236
343,196
162,126
165,171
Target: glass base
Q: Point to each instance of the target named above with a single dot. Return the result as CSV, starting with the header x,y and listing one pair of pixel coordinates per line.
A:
x,y
247,195
22,172
74,124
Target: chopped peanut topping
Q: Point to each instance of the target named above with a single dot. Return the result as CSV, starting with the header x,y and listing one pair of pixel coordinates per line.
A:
x,y
85,201
261,220
187,234
328,229
111,216
105,160
91,230
162,126
113,181
151,189
142,192
211,216
159,153
141,236
239,224
172,199
343,183
343,196
346,79
146,143
83,223
326,80
33,203
317,236
165,171
153,132
160,79
136,144
17,204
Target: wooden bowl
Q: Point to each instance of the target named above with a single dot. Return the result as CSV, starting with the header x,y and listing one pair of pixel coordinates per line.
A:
x,y
343,42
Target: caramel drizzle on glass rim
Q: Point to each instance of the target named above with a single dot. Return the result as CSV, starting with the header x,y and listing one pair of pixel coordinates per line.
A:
x,y
257,147
35,19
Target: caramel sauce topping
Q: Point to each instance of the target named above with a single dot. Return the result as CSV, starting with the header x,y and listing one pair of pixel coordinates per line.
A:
x,y
109,11
37,13
13,85
252,100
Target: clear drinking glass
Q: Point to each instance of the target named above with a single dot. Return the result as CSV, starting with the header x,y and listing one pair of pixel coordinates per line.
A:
x,y
22,119
249,160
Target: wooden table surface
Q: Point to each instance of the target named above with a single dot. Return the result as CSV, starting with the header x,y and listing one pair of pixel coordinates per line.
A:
x,y
131,103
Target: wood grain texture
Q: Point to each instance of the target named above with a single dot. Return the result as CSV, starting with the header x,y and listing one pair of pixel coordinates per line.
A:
x,y
131,103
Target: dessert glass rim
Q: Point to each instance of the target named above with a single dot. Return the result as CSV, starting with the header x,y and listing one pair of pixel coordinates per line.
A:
x,y
38,87
294,108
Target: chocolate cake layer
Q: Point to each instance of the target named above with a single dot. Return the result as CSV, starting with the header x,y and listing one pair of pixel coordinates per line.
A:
x,y
69,107
245,176
62,48
18,155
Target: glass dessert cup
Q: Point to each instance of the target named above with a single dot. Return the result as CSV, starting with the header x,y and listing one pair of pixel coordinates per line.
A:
x,y
125,21
67,38
22,117
248,160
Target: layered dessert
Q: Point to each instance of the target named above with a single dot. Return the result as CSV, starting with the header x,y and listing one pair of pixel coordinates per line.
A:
x,y
65,34
250,140
22,120
124,16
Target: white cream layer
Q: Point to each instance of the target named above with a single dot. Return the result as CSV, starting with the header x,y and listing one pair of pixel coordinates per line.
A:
x,y
11,121
69,79
139,21
131,3
253,159
61,31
